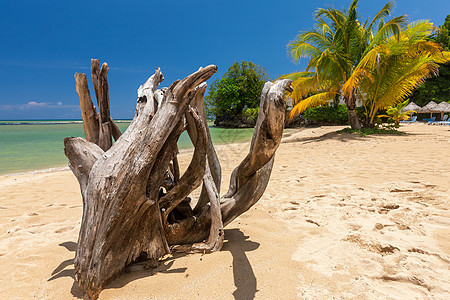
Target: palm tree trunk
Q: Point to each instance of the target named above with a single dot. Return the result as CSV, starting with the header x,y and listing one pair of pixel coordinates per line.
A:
x,y
351,108
369,121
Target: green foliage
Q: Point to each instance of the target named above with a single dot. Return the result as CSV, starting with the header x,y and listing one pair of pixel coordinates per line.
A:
x,y
251,114
362,115
380,63
391,71
436,89
374,130
336,115
234,99
442,35
335,47
395,113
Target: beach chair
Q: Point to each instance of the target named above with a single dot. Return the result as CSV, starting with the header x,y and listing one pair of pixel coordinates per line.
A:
x,y
443,122
412,120
429,120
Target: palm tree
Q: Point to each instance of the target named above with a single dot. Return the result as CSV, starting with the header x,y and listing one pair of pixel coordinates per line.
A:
x,y
335,47
388,73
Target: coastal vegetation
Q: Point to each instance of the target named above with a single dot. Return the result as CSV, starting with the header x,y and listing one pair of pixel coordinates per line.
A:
x,y
377,63
436,89
328,114
233,100
389,72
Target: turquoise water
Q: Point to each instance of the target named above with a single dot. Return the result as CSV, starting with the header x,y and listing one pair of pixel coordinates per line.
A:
x,y
36,145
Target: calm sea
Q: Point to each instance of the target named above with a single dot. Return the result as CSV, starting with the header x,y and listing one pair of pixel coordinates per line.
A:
x,y
38,145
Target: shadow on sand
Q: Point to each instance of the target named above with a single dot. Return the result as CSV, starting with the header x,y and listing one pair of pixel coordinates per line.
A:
x,y
61,270
337,135
235,242
244,278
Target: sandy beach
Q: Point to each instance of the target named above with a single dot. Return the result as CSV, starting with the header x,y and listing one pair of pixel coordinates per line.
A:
x,y
343,217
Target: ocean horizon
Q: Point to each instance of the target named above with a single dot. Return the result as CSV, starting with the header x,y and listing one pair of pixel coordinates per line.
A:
x,y
50,121
37,145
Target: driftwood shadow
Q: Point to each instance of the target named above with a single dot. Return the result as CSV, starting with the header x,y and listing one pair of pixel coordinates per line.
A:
x,y
244,277
235,242
61,270
143,269
133,272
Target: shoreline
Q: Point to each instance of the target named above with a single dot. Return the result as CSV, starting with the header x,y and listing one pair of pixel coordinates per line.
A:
x,y
62,167
33,148
37,171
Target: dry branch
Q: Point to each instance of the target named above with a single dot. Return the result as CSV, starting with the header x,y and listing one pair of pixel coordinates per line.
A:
x,y
192,178
240,197
88,112
134,199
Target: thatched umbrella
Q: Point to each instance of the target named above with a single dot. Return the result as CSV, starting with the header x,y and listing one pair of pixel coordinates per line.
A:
x,y
442,107
412,106
429,108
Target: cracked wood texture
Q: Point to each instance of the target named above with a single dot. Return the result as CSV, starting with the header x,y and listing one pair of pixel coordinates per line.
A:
x,y
135,202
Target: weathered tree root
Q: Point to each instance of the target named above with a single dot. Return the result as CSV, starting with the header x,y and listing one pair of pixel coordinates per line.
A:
x,y
134,200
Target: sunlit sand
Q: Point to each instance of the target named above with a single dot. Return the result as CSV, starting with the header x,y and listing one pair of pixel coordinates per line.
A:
x,y
343,216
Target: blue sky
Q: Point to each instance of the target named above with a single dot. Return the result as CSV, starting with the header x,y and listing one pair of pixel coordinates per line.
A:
x,y
43,43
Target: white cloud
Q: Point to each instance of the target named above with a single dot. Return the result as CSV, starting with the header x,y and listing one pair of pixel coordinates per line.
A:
x,y
32,104
59,103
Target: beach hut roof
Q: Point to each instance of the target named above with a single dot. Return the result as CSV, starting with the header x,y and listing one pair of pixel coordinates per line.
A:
x,y
412,106
430,107
443,107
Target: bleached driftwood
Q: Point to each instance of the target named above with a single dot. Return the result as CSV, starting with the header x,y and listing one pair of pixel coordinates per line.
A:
x,y
134,197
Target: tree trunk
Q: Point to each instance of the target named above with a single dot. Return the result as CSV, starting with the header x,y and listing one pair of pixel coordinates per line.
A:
x,y
351,108
134,200
369,121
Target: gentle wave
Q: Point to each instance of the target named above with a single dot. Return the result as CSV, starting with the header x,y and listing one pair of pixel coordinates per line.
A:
x,y
40,171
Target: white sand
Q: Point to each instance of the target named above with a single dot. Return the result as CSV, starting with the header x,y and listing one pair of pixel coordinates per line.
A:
x,y
343,216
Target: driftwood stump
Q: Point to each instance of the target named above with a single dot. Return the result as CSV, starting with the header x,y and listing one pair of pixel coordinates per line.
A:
x,y
134,197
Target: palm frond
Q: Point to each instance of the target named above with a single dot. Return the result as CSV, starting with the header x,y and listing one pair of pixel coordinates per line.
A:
x,y
323,28
354,81
315,100
312,64
315,37
336,16
296,75
383,13
304,86
390,29
330,64
371,59
418,31
425,48
299,49
400,80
